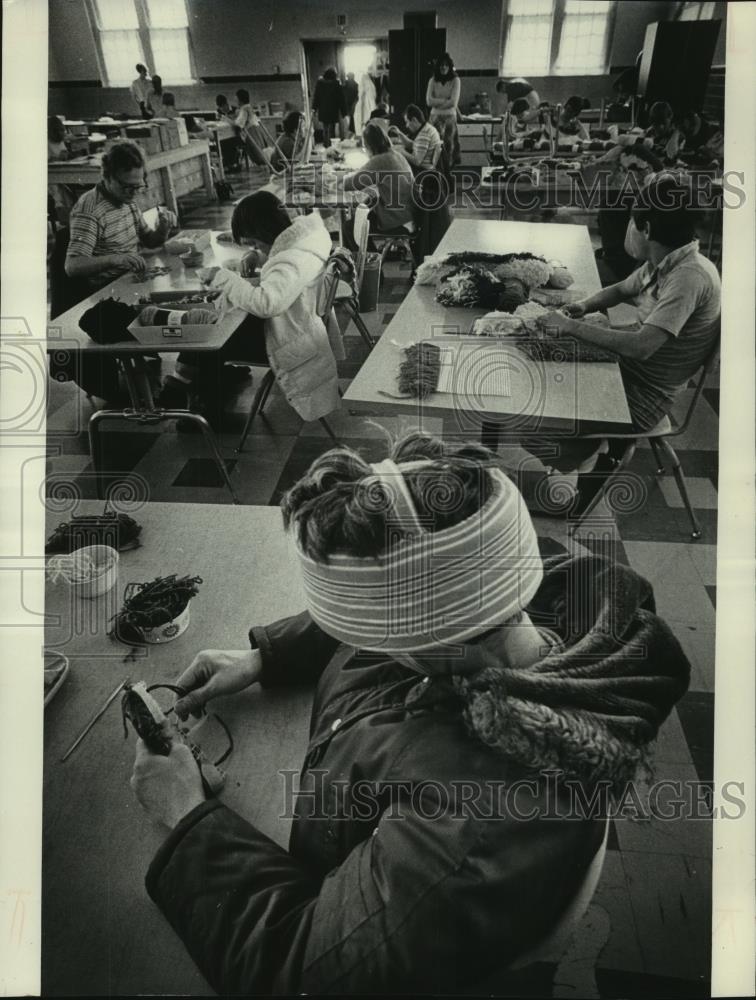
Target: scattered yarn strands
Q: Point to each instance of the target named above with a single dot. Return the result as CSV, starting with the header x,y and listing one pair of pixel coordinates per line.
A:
x,y
149,273
149,605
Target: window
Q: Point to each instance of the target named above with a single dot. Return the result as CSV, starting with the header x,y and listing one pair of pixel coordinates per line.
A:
x,y
542,37
696,12
153,32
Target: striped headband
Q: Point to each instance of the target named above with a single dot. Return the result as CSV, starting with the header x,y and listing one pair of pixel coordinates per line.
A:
x,y
431,588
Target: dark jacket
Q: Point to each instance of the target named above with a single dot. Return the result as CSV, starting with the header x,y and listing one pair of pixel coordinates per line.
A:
x,y
410,897
328,101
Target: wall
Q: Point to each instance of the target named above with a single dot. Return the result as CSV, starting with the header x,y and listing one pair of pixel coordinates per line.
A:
x,y
237,41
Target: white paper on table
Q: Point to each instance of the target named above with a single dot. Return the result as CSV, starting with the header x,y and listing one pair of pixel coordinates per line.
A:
x,y
475,370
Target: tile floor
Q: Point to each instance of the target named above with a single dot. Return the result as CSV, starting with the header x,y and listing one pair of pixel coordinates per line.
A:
x,y
647,931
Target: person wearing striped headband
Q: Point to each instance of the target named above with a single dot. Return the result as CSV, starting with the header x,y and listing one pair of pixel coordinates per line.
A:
x,y
464,686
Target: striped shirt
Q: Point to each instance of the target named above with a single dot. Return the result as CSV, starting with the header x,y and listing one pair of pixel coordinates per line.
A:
x,y
101,226
682,295
426,146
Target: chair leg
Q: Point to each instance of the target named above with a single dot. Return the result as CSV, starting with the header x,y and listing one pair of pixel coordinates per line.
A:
x,y
260,396
657,455
269,381
682,487
354,314
328,430
211,443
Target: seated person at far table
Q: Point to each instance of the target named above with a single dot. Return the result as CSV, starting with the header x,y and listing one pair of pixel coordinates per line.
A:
x,y
677,293
284,149
388,171
107,228
668,140
704,140
461,726
61,195
569,120
283,328
422,147
519,89
168,105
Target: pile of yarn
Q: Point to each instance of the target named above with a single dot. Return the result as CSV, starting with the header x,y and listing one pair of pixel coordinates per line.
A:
x,y
158,316
514,293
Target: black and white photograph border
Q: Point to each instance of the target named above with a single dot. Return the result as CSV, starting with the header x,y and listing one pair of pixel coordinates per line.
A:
x,y
666,907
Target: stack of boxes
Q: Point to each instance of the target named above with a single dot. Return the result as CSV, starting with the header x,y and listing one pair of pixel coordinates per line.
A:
x,y
159,135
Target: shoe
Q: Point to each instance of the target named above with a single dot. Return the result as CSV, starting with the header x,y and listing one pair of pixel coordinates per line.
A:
x,y
174,395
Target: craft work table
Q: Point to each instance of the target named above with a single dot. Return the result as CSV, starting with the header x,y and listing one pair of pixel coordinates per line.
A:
x,y
544,395
101,933
170,174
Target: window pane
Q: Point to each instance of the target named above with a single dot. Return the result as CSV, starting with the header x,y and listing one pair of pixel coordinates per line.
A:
x,y
117,14
587,6
707,12
170,50
522,8
690,12
121,51
582,46
528,45
167,13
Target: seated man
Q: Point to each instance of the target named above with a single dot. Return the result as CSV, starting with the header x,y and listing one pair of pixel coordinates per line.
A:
x,y
422,147
469,732
677,292
107,228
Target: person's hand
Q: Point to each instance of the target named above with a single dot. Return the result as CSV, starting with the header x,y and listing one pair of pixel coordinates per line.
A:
x,y
250,262
130,262
167,220
213,673
555,324
575,310
207,274
167,787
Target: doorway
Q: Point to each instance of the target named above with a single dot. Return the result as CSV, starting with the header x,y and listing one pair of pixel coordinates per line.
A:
x,y
358,57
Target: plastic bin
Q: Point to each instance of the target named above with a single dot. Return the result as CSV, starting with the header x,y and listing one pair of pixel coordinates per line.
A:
x,y
371,281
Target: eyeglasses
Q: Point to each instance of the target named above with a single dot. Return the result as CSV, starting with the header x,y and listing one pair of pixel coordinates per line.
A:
x,y
131,188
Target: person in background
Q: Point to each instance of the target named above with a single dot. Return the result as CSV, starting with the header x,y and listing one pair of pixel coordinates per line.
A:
x,y
155,96
388,171
536,686
365,104
284,148
244,117
329,104
60,196
222,107
284,328
422,147
704,141
569,120
140,90
106,226
56,140
442,97
168,105
518,89
668,140
351,97
677,294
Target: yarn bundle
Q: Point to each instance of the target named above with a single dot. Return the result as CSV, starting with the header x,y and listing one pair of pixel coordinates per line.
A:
x,y
160,316
107,321
484,280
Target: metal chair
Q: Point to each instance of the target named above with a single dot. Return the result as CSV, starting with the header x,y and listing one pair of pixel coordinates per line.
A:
x,y
344,294
327,295
657,437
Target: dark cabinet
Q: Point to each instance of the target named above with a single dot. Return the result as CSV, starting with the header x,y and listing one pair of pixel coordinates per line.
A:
x,y
412,53
676,62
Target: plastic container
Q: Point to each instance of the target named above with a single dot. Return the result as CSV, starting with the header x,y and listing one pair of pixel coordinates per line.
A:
x,y
169,631
90,571
371,281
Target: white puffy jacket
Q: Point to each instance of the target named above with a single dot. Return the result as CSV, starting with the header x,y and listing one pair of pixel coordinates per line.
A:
x,y
301,350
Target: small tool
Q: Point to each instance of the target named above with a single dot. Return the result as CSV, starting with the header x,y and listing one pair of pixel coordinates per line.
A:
x,y
98,715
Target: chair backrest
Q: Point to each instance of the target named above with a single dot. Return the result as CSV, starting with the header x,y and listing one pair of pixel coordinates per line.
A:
x,y
65,292
554,945
361,237
705,370
328,287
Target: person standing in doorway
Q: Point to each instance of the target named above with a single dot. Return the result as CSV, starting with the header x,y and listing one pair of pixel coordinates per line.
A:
x,y
140,90
351,96
329,104
442,97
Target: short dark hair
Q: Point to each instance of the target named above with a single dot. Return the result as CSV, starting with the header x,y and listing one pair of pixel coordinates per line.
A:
x,y
412,111
330,74
157,84
259,216
660,110
221,99
139,67
667,205
576,104
169,99
376,140
520,106
291,121
122,156
243,96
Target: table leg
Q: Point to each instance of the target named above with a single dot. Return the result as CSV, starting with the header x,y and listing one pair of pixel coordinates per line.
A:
x,y
207,174
219,153
169,190
489,435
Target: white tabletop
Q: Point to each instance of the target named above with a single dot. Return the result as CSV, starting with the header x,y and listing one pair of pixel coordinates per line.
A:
x,y
64,333
101,932
552,394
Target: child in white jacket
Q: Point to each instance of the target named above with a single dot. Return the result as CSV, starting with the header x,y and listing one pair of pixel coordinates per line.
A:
x,y
287,331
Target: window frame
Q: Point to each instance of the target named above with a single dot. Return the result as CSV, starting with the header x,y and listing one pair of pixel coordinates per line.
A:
x,y
558,18
143,31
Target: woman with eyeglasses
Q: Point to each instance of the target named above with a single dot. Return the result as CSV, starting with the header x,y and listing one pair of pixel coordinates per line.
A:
x,y
107,227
